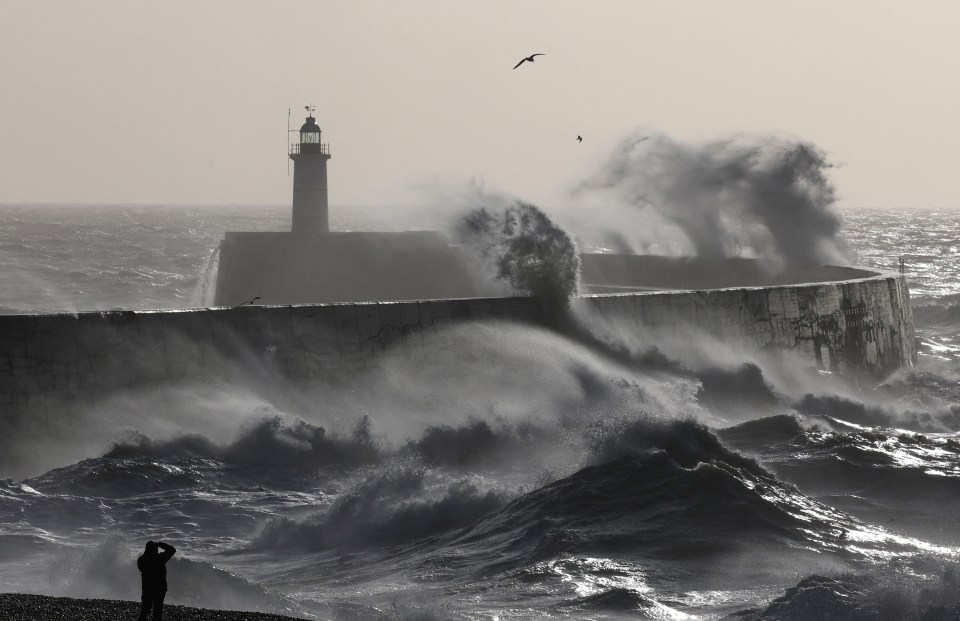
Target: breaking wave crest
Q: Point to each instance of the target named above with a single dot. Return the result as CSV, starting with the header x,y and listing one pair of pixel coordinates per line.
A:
x,y
521,246
860,597
386,510
271,442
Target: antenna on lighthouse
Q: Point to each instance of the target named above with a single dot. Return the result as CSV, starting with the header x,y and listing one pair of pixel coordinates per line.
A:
x,y
288,142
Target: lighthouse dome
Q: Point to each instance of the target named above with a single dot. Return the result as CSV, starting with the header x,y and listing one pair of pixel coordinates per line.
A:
x,y
310,125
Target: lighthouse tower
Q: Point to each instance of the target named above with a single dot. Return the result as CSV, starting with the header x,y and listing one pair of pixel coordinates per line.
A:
x,y
310,210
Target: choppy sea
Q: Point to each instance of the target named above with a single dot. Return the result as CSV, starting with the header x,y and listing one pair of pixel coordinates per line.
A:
x,y
520,475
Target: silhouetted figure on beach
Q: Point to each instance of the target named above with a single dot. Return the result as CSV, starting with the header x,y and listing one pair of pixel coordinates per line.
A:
x,y
153,573
527,59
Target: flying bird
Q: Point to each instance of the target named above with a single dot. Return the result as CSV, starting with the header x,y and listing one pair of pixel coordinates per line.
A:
x,y
579,139
530,58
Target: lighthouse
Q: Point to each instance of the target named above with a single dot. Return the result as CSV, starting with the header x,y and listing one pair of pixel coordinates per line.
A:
x,y
310,210
309,264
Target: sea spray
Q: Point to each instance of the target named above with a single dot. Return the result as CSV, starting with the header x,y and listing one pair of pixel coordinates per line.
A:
x,y
522,247
477,442
109,571
392,507
739,196
270,442
205,291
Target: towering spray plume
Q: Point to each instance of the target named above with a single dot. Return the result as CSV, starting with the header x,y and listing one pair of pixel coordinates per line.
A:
x,y
522,247
761,196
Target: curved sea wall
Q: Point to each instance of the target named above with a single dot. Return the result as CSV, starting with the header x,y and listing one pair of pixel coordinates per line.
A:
x,y
52,365
845,319
859,327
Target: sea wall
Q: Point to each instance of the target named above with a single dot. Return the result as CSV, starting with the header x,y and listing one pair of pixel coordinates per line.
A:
x,y
53,364
857,327
613,273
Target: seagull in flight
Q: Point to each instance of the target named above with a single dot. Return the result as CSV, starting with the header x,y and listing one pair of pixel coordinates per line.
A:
x,y
530,58
579,138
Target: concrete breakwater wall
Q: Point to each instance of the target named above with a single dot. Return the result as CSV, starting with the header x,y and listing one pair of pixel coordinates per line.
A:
x,y
858,327
610,272
52,364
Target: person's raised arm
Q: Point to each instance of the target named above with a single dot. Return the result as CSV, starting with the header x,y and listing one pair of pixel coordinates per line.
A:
x,y
168,551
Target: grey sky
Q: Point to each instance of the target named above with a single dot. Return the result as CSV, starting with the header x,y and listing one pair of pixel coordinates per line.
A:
x,y
186,102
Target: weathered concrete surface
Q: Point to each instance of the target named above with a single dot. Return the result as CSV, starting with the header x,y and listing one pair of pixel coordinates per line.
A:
x,y
323,267
52,365
862,326
608,273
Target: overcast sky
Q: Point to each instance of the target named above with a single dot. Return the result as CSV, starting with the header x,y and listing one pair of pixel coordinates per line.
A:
x,y
186,102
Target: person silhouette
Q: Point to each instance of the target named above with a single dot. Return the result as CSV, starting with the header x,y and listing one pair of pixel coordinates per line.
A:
x,y
153,574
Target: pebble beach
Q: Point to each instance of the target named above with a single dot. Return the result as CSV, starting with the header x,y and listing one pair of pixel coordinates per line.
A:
x,y
21,607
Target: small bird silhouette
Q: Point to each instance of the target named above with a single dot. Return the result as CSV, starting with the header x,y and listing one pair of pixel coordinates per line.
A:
x,y
579,139
251,301
530,58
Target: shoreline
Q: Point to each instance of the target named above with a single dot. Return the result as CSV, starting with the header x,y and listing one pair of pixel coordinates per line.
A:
x,y
27,607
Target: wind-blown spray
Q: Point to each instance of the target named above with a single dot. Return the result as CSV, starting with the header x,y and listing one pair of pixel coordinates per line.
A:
x,y
761,196
522,247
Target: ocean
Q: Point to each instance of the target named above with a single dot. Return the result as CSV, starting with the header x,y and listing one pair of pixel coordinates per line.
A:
x,y
520,475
